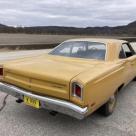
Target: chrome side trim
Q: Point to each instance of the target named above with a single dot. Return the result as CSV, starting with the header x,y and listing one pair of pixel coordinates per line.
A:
x,y
54,104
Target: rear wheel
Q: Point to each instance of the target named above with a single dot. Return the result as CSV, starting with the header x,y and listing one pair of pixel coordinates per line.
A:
x,y
108,108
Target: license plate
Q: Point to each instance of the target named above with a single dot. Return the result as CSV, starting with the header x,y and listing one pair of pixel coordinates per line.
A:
x,y
32,102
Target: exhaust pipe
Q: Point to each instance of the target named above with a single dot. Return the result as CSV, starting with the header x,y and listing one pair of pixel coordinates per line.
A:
x,y
53,113
19,101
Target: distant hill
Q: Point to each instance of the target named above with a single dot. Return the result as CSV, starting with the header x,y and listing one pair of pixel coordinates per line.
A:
x,y
1,26
133,24
127,30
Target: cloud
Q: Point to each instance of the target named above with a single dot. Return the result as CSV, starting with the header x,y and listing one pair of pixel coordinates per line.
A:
x,y
67,12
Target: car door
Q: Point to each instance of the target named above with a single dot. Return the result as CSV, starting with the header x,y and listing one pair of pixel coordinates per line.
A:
x,y
128,54
132,59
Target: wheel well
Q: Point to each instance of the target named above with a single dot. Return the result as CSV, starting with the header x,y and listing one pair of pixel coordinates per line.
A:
x,y
120,87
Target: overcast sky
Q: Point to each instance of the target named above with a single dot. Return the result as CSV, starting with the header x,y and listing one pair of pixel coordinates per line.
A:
x,y
79,13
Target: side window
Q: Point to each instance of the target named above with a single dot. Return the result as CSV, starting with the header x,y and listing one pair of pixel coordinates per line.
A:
x,y
126,51
126,48
133,45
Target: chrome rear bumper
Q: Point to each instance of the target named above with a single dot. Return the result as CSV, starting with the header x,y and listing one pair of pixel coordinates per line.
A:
x,y
53,104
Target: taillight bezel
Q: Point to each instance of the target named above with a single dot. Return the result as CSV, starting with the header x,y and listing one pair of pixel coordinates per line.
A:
x,y
74,84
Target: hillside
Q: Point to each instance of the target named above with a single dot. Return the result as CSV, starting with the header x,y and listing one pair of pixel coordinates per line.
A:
x,y
1,26
133,24
128,30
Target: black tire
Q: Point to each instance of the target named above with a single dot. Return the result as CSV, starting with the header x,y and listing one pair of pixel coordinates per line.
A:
x,y
108,108
134,79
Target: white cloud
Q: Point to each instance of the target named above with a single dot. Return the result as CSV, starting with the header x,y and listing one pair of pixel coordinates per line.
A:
x,y
67,12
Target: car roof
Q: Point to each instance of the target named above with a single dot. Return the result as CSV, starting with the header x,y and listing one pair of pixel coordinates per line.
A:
x,y
101,40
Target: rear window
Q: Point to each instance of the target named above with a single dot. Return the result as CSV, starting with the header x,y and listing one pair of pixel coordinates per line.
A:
x,y
81,49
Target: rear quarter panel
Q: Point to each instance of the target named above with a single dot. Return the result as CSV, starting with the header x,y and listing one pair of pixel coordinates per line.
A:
x,y
99,85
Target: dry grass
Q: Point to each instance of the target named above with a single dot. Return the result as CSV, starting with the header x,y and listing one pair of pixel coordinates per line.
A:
x,y
21,39
33,41
25,39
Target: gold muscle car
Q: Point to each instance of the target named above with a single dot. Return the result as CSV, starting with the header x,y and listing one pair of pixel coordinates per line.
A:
x,y
76,78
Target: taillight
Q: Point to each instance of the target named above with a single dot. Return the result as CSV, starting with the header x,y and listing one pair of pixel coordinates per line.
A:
x,y
77,90
1,72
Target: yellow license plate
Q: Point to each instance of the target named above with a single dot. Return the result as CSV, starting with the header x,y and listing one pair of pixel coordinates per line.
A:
x,y
32,102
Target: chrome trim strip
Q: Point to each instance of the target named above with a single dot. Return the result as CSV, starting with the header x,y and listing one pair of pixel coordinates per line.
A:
x,y
61,106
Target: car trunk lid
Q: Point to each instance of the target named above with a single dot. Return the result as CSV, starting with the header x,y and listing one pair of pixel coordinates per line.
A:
x,y
48,75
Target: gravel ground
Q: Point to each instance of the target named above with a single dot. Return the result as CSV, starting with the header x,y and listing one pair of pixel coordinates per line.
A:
x,y
21,120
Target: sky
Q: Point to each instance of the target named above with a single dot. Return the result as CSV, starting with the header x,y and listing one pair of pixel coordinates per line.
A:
x,y
77,13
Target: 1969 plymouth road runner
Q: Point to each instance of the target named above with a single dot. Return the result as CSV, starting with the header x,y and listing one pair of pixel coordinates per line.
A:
x,y
76,78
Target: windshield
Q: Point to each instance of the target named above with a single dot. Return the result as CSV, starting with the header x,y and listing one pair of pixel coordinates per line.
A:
x,y
81,49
